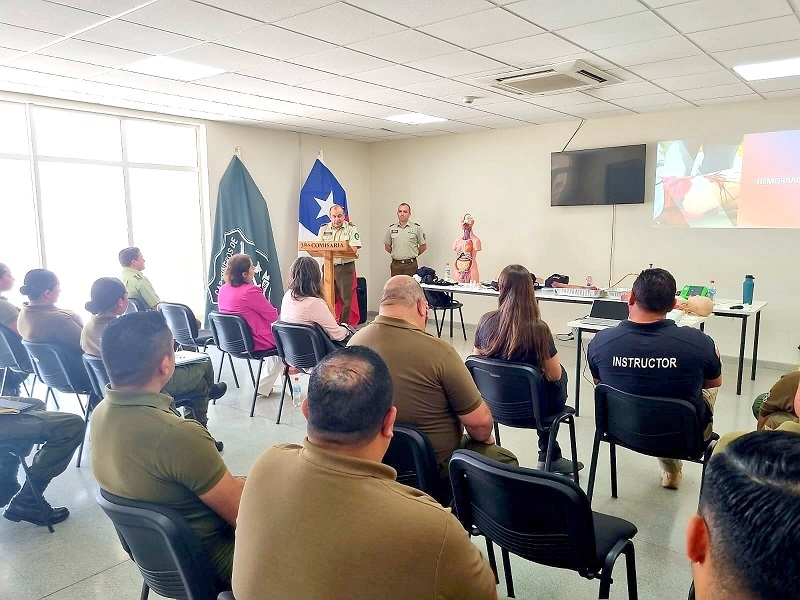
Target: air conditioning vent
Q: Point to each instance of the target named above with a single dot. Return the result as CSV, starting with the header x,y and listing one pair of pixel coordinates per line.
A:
x,y
570,76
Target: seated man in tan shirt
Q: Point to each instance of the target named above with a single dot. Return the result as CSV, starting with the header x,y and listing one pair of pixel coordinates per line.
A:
x,y
327,521
433,389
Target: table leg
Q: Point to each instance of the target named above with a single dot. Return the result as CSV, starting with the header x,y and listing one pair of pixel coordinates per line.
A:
x,y
755,346
578,376
742,339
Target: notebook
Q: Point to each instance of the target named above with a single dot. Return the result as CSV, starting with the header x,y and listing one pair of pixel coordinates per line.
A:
x,y
12,405
606,312
184,357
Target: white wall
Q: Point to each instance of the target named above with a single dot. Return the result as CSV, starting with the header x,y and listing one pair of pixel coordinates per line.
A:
x,y
503,178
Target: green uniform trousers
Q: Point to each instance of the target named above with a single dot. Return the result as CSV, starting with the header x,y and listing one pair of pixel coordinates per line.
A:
x,y
343,282
193,378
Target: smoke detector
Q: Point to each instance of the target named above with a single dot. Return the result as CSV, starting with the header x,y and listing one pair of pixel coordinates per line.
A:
x,y
562,77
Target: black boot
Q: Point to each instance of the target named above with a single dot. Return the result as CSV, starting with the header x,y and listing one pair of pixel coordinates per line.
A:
x,y
9,485
25,505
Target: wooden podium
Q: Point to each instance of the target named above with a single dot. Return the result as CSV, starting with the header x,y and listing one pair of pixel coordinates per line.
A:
x,y
329,251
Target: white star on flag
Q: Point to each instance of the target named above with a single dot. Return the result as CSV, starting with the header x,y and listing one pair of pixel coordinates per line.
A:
x,y
325,205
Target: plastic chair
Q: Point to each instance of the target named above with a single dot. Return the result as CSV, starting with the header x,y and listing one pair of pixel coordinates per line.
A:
x,y
411,454
299,346
436,304
14,357
166,549
232,336
20,454
138,305
660,427
183,324
515,393
541,517
226,596
52,370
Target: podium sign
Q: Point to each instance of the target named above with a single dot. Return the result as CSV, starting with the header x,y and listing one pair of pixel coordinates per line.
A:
x,y
328,251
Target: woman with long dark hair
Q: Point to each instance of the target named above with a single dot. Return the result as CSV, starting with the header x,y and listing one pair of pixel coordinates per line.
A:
x,y
516,332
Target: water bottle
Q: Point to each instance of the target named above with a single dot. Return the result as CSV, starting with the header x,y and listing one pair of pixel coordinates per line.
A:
x,y
447,271
297,389
747,289
712,290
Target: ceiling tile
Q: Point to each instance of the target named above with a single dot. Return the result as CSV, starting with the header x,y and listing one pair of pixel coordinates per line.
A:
x,y
203,92
710,14
776,85
557,14
530,50
340,23
756,54
728,100
659,107
629,29
783,93
108,8
716,91
57,66
415,14
676,67
660,99
269,12
623,74
241,83
460,63
624,90
769,31
394,76
19,38
7,54
138,80
45,16
284,72
191,18
660,3
437,108
341,61
493,121
344,86
482,28
96,54
607,110
481,97
648,51
275,42
221,57
439,88
404,46
698,80
563,99
524,111
139,38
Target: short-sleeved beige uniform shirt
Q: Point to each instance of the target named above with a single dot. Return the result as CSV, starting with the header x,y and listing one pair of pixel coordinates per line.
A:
x,y
405,241
346,233
139,286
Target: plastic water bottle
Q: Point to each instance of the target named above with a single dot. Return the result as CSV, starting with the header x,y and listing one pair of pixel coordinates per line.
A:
x,y
297,389
712,290
747,289
447,271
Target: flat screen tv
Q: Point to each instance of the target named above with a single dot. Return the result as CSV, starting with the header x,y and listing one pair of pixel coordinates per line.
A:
x,y
598,176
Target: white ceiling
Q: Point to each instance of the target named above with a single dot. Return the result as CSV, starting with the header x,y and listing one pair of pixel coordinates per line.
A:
x,y
339,68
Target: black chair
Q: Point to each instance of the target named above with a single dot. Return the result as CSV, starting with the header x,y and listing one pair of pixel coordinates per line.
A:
x,y
660,427
541,517
183,324
233,337
57,371
14,357
226,596
514,393
411,454
138,305
167,551
299,346
20,453
442,301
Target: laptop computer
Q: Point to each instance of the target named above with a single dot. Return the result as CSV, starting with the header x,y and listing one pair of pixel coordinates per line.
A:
x,y
608,313
183,357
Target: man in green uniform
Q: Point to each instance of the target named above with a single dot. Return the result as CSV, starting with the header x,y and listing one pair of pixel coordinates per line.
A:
x,y
344,269
138,286
405,242
143,450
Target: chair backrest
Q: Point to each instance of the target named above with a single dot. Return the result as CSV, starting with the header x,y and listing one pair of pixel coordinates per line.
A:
x,y
132,308
138,305
12,353
167,551
180,320
540,516
231,333
663,427
97,374
411,454
512,391
437,299
52,369
301,346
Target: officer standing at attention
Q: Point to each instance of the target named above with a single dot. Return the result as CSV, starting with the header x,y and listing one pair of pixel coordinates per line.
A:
x,y
344,269
405,242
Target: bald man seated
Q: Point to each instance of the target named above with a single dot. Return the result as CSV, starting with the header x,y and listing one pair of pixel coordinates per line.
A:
x,y
432,387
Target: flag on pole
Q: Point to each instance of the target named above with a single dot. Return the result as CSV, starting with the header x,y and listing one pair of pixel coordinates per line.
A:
x,y
242,226
318,194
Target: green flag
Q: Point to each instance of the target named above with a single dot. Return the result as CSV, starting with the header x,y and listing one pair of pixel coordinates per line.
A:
x,y
242,226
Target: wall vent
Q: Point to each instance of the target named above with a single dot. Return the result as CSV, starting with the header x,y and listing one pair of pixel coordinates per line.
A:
x,y
562,77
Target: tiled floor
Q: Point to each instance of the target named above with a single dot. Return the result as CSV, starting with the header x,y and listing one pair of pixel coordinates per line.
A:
x,y
83,558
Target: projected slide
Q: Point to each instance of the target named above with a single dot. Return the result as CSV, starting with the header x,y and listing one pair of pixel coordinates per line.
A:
x,y
750,182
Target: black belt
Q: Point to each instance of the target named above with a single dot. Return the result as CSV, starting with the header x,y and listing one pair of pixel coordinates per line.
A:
x,y
403,261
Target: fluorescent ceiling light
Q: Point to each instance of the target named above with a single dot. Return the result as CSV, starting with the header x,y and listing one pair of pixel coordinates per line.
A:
x,y
172,68
415,119
770,70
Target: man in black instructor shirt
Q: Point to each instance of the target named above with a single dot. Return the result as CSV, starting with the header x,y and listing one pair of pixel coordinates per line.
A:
x,y
649,355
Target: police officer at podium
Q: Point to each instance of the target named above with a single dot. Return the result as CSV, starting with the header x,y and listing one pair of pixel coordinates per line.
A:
x,y
339,230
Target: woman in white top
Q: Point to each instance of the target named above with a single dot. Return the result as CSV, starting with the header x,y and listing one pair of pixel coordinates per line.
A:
x,y
303,302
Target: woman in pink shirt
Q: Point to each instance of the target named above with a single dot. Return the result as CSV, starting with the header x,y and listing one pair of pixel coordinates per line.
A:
x,y
303,302
240,296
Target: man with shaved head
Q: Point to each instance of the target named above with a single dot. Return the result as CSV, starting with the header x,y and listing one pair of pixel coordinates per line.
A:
x,y
432,387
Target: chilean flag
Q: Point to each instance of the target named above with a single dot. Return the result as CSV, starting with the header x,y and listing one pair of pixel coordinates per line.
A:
x,y
321,191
